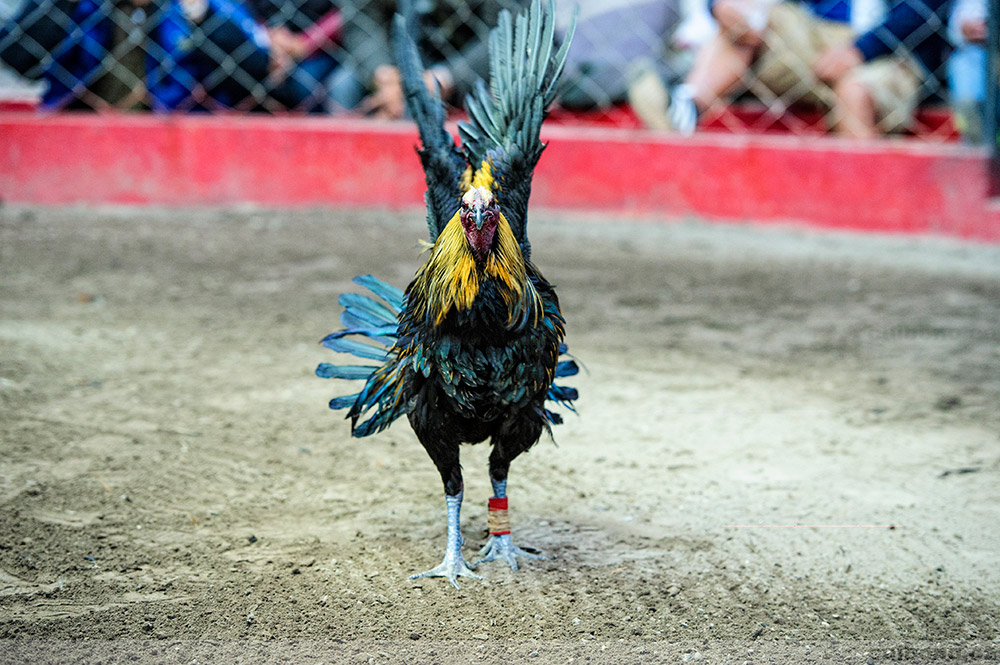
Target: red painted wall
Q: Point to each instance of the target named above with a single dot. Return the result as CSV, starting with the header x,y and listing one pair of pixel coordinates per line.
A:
x,y
884,186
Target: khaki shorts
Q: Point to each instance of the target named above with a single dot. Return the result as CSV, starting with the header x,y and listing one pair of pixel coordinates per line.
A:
x,y
795,38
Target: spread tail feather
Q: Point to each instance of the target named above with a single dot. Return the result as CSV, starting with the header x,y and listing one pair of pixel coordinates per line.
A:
x,y
367,320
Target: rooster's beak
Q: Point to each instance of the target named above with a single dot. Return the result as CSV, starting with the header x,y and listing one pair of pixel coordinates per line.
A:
x,y
479,219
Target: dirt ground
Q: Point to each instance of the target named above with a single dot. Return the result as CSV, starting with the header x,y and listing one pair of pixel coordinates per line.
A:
x,y
787,450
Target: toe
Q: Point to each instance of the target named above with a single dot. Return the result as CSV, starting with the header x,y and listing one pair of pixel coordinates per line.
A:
x,y
450,570
484,559
511,561
487,548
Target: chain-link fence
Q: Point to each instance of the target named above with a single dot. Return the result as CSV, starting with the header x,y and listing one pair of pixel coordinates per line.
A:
x,y
857,67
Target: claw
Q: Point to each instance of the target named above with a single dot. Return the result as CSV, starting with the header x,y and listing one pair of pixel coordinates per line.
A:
x,y
501,547
451,568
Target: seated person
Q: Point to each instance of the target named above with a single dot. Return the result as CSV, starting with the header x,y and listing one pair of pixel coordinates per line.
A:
x,y
612,42
102,66
454,51
967,68
870,76
137,53
302,33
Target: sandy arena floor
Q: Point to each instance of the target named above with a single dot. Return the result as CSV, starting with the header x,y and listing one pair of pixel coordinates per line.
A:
x,y
787,451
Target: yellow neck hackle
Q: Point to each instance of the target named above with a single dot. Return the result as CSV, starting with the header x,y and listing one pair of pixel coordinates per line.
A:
x,y
451,278
483,177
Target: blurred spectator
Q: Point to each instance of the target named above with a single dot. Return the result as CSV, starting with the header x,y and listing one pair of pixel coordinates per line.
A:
x,y
453,41
301,35
867,65
178,54
96,50
967,67
207,54
613,40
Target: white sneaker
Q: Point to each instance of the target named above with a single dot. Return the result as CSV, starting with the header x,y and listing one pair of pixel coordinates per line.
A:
x,y
683,113
657,107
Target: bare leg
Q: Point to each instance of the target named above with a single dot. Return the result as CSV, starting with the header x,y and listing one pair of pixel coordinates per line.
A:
x,y
718,68
854,110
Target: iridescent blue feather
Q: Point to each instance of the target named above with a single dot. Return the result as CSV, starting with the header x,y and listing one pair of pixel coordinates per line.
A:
x,y
369,322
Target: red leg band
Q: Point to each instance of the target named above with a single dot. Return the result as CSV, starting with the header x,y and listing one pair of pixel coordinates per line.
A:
x,y
498,520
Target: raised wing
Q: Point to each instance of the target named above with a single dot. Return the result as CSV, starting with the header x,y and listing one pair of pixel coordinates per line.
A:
x,y
443,164
505,119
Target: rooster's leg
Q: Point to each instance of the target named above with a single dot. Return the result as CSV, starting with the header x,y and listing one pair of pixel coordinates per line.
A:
x,y
454,564
500,546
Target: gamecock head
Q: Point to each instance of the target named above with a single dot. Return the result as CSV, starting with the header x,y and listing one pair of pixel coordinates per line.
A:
x,y
480,216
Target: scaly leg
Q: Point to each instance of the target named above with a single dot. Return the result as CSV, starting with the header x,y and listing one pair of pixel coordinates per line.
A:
x,y
444,453
454,564
500,546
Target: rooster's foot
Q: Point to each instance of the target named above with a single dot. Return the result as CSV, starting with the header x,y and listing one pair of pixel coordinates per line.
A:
x,y
501,547
451,568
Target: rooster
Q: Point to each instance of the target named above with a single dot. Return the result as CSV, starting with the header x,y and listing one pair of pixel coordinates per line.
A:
x,y
470,351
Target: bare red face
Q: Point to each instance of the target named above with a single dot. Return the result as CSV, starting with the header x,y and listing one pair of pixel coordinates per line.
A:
x,y
480,217
480,224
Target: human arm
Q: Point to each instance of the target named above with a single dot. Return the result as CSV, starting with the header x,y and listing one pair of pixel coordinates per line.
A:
x,y
325,31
